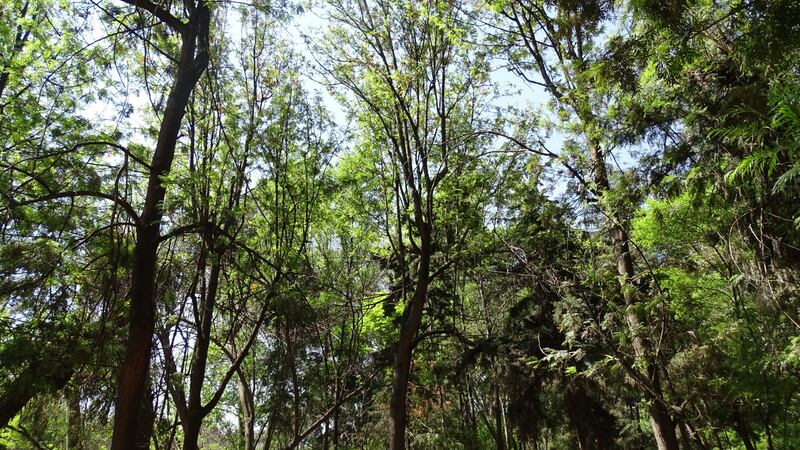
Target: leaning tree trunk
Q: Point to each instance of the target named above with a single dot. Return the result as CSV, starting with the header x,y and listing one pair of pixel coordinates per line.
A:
x,y
131,389
660,420
398,412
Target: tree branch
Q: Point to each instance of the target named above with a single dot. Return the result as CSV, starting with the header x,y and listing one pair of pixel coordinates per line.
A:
x,y
159,12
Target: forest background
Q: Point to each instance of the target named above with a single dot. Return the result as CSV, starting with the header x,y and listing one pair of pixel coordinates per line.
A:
x,y
456,224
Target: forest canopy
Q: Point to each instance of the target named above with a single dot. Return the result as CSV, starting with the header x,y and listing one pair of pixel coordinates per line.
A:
x,y
427,224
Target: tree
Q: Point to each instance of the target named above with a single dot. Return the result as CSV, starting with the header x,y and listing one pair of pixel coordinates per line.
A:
x,y
558,47
431,257
416,92
194,36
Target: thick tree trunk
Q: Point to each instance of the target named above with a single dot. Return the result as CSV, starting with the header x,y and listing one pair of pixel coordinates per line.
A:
x,y
191,431
133,374
663,427
743,430
398,413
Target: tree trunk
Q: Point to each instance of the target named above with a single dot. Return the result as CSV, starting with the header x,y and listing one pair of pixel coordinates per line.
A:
x,y
663,427
191,431
688,438
147,417
246,403
74,419
500,420
196,412
743,430
398,413
135,367
660,420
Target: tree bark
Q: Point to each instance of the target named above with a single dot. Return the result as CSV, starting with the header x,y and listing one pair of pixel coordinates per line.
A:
x,y
663,427
195,409
74,419
246,403
660,420
131,389
398,412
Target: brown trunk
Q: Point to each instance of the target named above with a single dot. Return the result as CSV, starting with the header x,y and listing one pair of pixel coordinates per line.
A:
x,y
398,414
191,431
74,420
195,409
743,430
663,427
133,373
660,420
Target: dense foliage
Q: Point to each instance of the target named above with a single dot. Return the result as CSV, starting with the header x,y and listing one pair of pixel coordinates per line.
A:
x,y
509,224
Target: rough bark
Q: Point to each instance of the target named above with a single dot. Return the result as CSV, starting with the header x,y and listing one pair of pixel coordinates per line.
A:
x,y
131,389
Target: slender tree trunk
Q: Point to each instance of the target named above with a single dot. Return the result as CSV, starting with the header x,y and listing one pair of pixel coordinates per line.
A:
x,y
660,420
500,420
336,423
686,436
398,413
131,389
246,403
74,420
292,361
195,410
